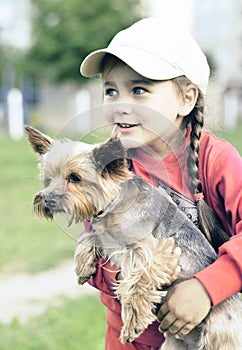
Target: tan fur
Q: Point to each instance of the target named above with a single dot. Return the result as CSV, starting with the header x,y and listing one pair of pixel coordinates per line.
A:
x,y
133,223
146,266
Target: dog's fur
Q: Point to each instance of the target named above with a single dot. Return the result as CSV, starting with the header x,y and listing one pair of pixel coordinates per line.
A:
x,y
132,225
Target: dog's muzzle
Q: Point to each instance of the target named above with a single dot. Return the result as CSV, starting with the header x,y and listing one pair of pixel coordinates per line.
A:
x,y
54,202
50,202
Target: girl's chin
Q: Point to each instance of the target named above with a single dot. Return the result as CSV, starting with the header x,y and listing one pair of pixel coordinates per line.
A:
x,y
130,142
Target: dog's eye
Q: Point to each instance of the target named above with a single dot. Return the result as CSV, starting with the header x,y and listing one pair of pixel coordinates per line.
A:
x,y
74,178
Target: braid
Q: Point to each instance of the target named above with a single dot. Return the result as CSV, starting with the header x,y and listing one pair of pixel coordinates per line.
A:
x,y
208,221
196,120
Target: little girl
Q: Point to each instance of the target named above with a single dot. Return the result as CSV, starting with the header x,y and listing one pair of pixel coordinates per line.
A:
x,y
154,81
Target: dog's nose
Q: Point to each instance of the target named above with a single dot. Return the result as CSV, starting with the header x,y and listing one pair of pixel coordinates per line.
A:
x,y
50,203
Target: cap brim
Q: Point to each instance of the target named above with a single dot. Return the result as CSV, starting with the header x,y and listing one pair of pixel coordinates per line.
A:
x,y
91,65
148,65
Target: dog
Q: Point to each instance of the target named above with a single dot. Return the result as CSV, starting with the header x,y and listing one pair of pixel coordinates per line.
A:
x,y
134,224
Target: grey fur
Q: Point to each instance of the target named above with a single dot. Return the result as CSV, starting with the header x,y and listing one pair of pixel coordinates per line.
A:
x,y
137,214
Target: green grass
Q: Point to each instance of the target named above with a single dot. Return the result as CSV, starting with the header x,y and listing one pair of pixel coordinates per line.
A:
x,y
27,244
31,245
233,136
77,325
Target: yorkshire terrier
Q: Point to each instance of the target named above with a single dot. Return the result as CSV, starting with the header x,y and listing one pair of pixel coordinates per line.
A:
x,y
133,224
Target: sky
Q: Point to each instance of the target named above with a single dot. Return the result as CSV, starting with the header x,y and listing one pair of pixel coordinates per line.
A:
x,y
176,11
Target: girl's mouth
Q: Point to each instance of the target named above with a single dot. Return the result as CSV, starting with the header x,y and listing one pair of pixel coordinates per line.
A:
x,y
126,125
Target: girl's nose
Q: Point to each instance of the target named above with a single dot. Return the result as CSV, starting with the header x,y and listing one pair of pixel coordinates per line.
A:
x,y
122,108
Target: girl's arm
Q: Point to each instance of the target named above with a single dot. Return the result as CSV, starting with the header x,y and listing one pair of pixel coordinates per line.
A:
x,y
221,175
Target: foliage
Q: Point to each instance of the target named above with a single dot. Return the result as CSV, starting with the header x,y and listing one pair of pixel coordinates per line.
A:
x,y
233,136
64,32
1,60
212,63
78,324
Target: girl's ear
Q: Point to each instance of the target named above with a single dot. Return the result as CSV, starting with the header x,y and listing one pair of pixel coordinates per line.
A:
x,y
189,99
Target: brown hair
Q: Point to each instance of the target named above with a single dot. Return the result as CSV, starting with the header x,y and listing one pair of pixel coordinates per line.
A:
x,y
208,221
108,62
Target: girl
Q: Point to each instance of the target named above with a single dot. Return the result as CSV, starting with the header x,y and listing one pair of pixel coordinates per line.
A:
x,y
154,81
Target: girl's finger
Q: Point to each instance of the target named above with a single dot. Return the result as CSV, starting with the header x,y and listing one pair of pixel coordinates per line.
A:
x,y
176,274
167,321
177,326
184,330
162,312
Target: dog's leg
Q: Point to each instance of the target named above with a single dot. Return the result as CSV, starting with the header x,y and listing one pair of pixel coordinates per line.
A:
x,y
146,267
222,328
85,257
172,343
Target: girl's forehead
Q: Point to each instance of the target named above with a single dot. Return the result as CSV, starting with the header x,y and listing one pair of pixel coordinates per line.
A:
x,y
120,70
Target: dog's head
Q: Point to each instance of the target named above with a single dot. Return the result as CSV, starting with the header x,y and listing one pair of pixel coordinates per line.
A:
x,y
79,179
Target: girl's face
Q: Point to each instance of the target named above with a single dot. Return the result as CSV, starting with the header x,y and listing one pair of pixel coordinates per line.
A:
x,y
145,112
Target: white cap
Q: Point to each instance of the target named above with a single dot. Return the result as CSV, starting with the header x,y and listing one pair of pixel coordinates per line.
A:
x,y
156,51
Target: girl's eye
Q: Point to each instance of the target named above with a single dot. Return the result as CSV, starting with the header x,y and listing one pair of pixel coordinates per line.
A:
x,y
111,92
139,91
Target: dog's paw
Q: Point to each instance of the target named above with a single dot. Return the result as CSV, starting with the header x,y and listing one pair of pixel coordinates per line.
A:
x,y
134,324
166,262
83,279
129,334
85,260
85,271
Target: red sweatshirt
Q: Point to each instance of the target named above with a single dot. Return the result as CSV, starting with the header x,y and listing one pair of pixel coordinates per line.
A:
x,y
220,171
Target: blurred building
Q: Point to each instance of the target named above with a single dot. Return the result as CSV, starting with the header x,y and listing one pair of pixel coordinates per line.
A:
x,y
15,23
217,26
15,33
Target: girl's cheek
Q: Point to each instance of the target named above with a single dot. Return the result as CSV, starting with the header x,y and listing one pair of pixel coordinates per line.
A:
x,y
107,111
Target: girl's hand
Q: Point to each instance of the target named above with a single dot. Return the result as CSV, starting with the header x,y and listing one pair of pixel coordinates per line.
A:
x,y
187,304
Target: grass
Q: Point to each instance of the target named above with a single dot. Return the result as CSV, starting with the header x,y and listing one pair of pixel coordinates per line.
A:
x,y
28,244
233,136
31,245
78,324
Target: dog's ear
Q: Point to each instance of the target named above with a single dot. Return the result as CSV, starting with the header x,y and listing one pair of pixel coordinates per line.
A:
x,y
39,142
110,157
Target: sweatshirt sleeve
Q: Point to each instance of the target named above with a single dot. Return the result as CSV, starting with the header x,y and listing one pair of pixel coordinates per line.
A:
x,y
221,170
223,278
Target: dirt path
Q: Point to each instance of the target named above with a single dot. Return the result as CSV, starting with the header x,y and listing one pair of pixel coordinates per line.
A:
x,y
23,295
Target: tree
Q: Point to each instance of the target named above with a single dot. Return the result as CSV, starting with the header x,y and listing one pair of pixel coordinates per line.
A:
x,y
64,32
211,62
